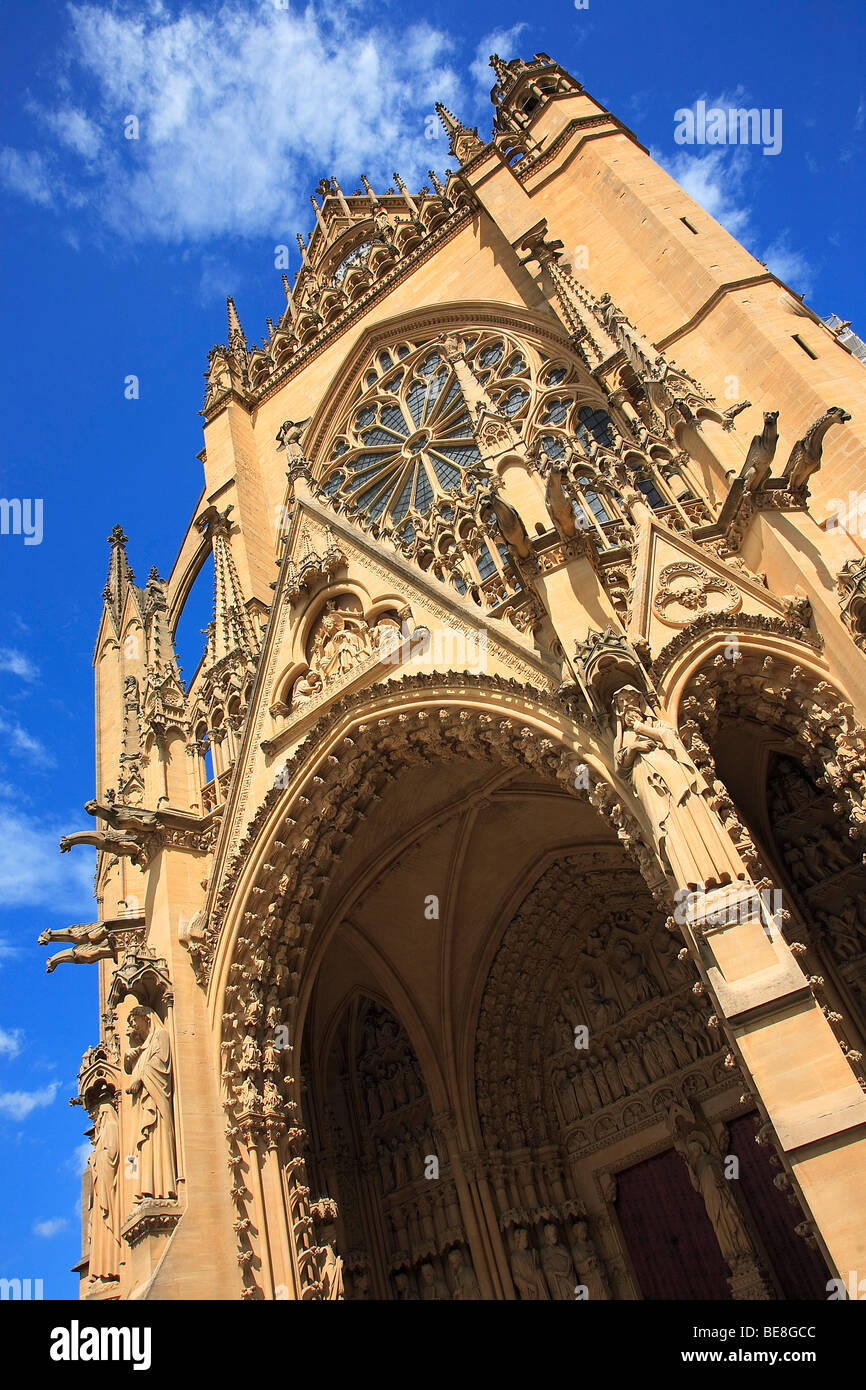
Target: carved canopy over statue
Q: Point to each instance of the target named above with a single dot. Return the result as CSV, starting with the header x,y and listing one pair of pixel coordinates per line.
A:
x,y
149,1063
688,836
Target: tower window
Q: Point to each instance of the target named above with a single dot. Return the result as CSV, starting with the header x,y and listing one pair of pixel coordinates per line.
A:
x,y
686,223
808,351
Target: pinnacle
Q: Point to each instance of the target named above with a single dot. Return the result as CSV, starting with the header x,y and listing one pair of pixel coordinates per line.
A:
x,y
234,321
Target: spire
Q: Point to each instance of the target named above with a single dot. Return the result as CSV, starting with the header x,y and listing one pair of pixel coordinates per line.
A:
x,y
410,201
231,632
120,575
163,696
237,342
161,658
464,141
437,183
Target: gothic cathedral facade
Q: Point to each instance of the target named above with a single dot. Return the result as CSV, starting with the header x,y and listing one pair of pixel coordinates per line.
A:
x,y
485,917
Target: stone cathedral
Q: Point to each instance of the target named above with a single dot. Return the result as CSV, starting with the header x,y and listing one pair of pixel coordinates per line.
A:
x,y
486,916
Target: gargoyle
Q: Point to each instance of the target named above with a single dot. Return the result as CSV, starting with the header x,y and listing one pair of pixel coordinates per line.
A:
x,y
109,841
759,459
805,456
129,818
91,943
559,503
509,523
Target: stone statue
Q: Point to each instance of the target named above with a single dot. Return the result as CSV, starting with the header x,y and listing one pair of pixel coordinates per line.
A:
x,y
528,1279
589,1268
433,1286
687,834
405,1291
463,1279
306,688
289,437
707,1177
341,641
331,1270
104,1258
557,1266
149,1063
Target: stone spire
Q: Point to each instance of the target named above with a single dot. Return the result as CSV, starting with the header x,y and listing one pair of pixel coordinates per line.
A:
x,y
237,342
120,575
231,632
464,141
163,694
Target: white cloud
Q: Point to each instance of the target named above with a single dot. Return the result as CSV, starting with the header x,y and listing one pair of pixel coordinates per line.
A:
x,y
47,1229
33,873
17,664
790,265
500,41
25,172
716,181
77,1160
24,744
241,110
10,1042
19,1104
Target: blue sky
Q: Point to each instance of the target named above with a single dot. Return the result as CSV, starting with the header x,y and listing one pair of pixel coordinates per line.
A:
x,y
118,255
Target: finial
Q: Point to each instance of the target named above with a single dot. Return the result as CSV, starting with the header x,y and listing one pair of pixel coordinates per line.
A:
x,y
286,286
499,68
117,536
437,183
365,181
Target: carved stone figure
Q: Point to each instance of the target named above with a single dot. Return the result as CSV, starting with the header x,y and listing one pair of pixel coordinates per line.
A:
x,y
707,1178
104,1256
92,943
687,834
556,1264
637,982
528,1278
433,1286
148,1061
463,1280
589,1268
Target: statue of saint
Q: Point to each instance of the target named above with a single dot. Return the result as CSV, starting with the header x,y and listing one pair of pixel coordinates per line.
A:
x,y
589,1268
687,834
148,1061
557,1266
707,1176
528,1279
463,1277
433,1286
104,1258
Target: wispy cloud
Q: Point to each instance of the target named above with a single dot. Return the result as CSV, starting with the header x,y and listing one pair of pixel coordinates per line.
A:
x,y
239,110
17,664
47,1229
500,41
23,744
10,1042
19,1104
33,873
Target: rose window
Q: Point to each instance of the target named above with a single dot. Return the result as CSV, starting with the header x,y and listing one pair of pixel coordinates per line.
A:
x,y
409,444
